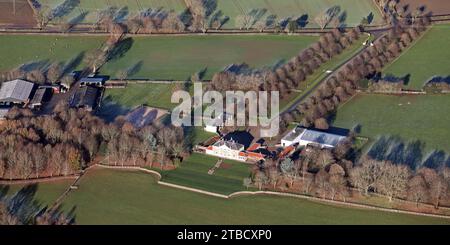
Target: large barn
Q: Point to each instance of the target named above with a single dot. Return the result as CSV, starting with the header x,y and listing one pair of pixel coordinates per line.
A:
x,y
16,92
303,137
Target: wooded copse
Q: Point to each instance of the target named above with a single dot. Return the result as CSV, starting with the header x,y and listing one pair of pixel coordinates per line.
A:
x,y
70,140
331,174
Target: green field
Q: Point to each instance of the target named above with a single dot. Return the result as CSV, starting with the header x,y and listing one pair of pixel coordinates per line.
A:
x,y
44,193
165,57
193,172
154,95
131,7
158,57
37,51
427,58
355,10
422,117
115,197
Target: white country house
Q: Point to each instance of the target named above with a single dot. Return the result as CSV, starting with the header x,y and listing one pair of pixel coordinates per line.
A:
x,y
227,149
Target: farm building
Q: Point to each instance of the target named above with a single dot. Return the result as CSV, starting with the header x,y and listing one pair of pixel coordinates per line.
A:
x,y
16,92
304,137
92,81
39,97
85,97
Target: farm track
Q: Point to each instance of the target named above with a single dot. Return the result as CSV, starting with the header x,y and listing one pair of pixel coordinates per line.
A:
x,y
315,86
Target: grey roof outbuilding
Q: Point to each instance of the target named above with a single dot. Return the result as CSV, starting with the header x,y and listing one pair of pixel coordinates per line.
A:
x,y
322,138
16,91
85,97
4,112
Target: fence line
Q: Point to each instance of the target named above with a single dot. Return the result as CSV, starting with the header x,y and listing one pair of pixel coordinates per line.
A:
x,y
36,180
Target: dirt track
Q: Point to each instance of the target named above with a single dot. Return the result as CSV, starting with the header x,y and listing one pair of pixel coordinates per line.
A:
x,y
437,7
22,17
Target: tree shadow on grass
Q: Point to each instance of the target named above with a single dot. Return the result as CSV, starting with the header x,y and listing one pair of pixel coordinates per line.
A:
x,y
436,160
79,18
210,7
34,65
110,110
3,191
302,21
26,207
256,15
72,64
134,69
121,14
397,151
370,18
120,49
64,8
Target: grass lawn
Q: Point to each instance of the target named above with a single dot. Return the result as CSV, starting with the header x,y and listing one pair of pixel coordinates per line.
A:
x,y
154,95
193,172
422,117
427,58
130,7
355,10
38,51
44,193
177,58
199,135
116,197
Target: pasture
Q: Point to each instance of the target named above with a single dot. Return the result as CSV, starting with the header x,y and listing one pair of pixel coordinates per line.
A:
x,y
193,172
177,58
427,58
87,10
116,197
38,51
423,117
437,7
43,193
154,95
351,11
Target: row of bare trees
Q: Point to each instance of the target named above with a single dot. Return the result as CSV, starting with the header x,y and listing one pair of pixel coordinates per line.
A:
x,y
425,185
52,74
438,84
385,85
340,87
69,140
291,75
395,11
